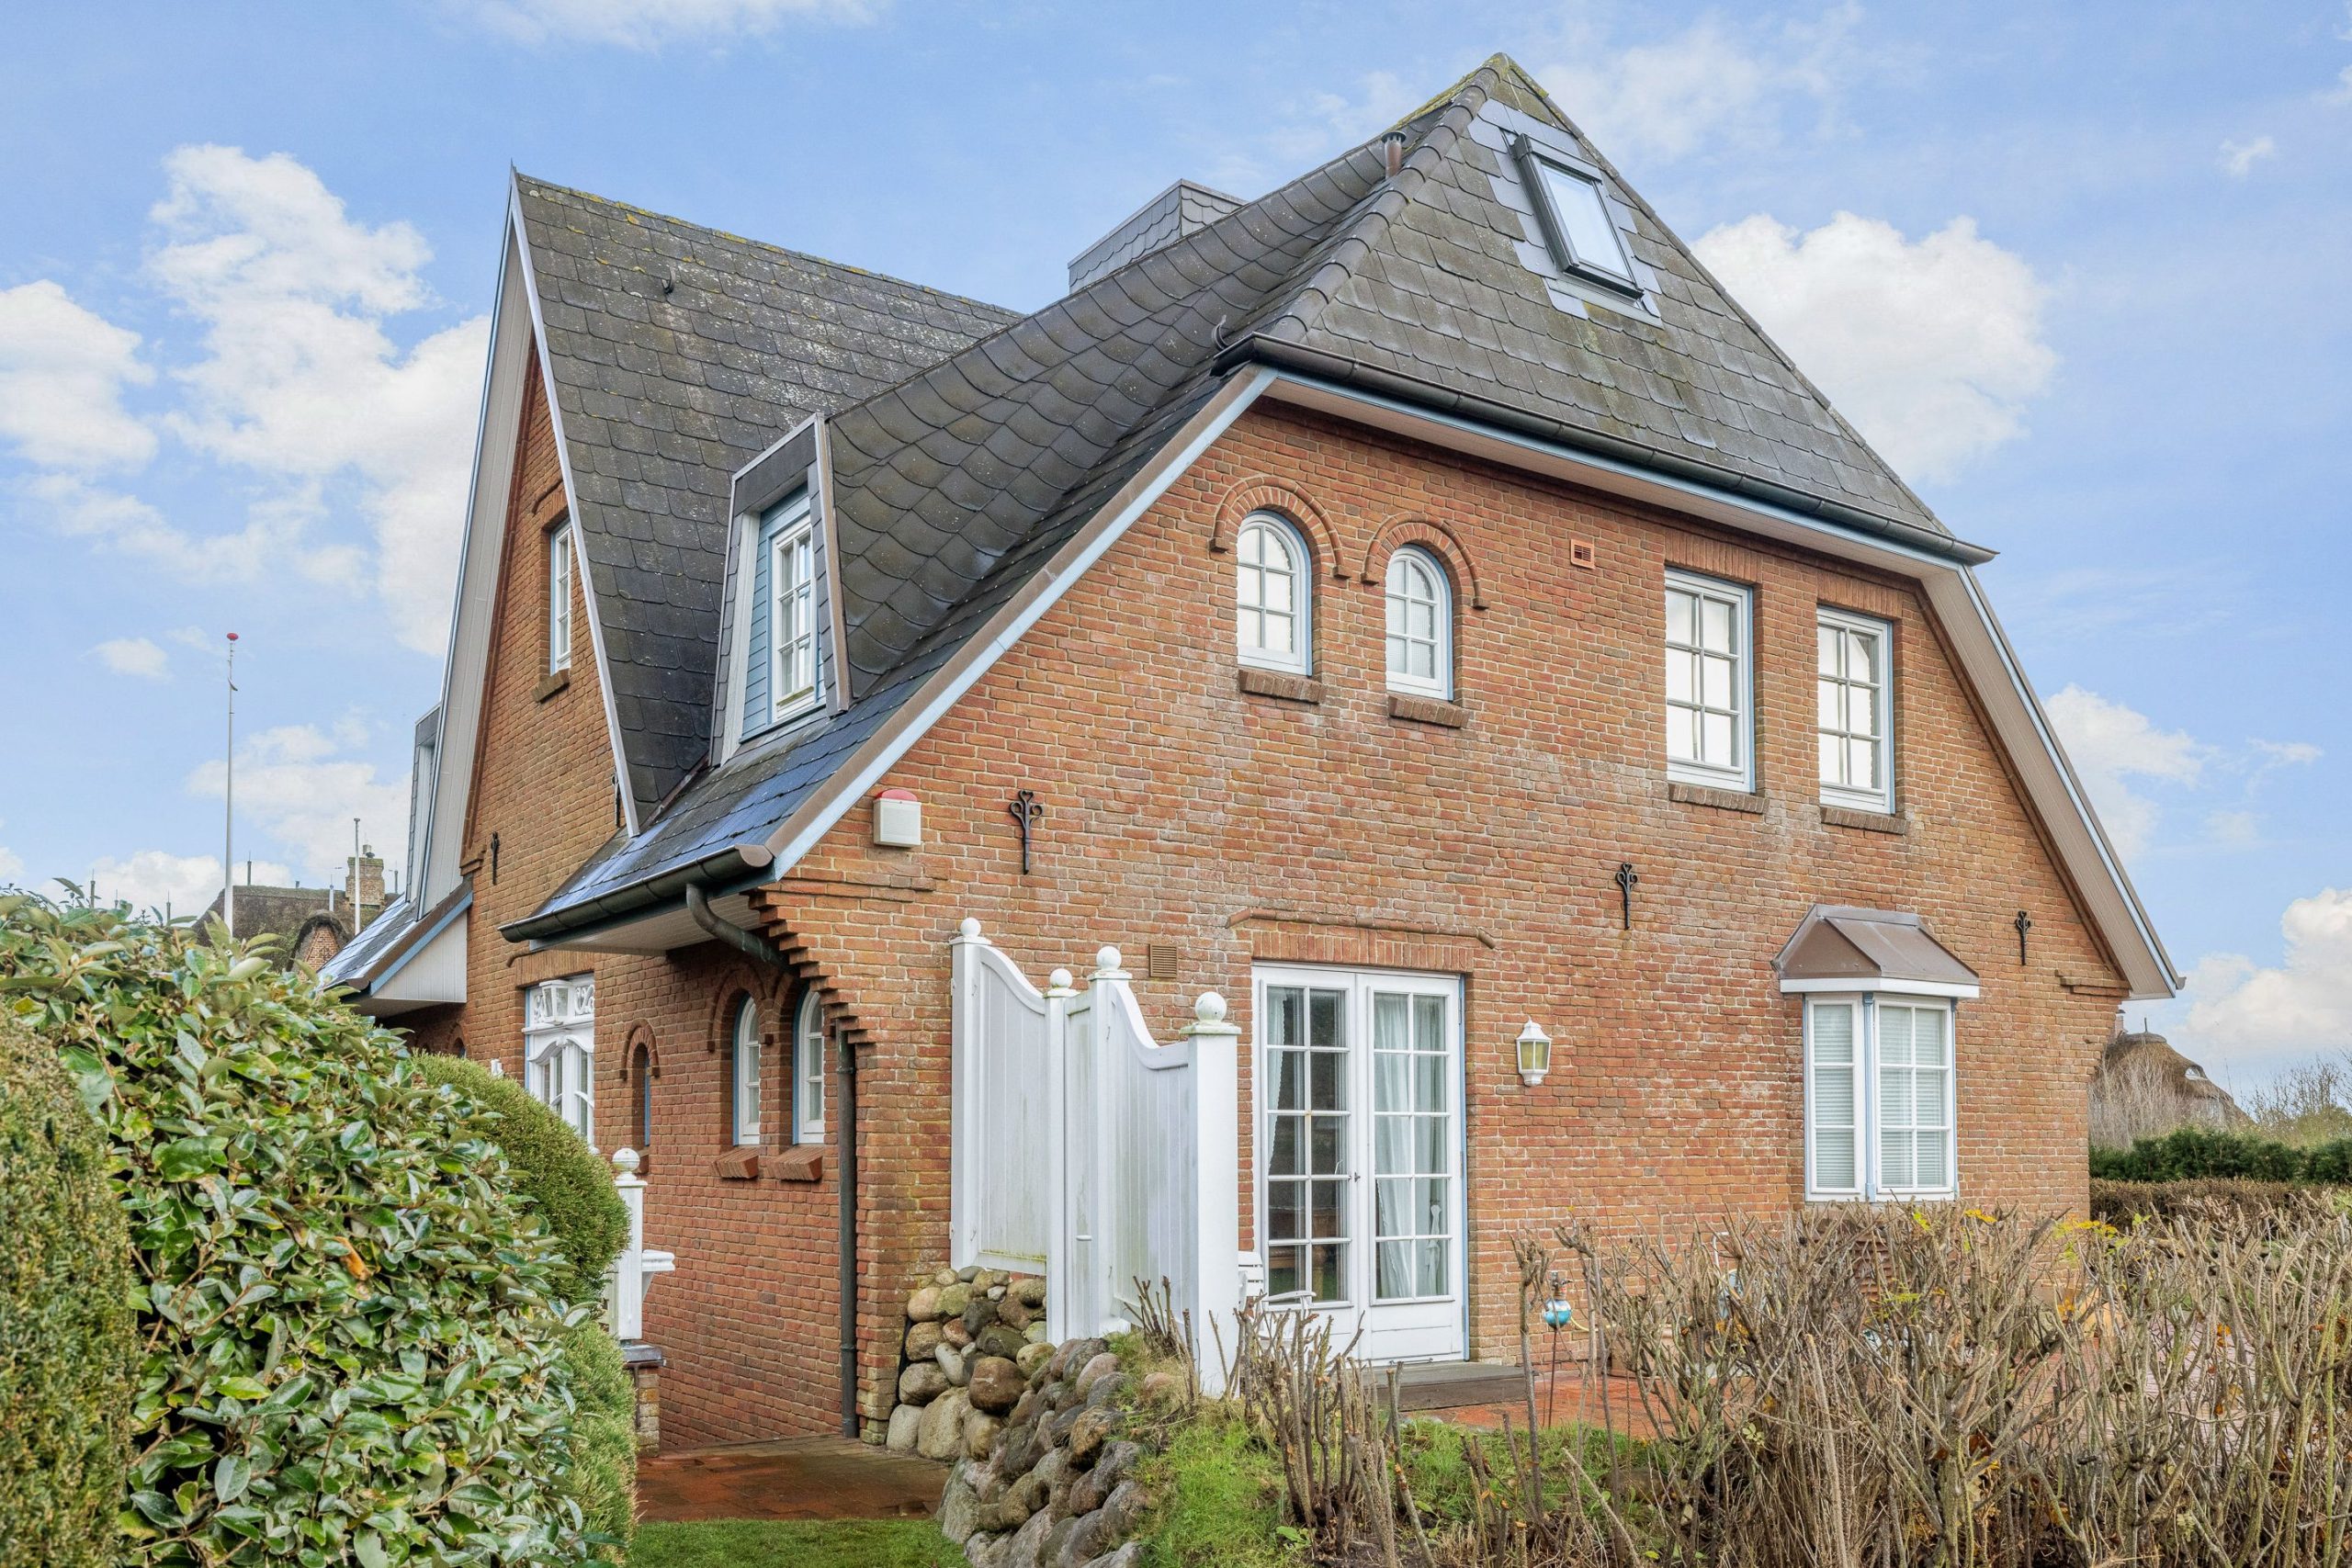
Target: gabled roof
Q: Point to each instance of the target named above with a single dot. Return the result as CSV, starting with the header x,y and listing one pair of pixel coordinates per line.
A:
x,y
966,493
675,352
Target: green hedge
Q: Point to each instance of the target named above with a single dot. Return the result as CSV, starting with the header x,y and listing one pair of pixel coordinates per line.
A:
x,y
563,1178
603,1479
351,1340
67,1350
2194,1154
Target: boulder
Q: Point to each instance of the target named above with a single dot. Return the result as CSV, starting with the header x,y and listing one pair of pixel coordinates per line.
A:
x,y
942,1276
979,1313
1051,1471
995,1382
941,1435
1007,1513
1127,1507
1111,1390
904,1420
966,1274
1032,1358
1036,1333
1034,1488
1076,1354
1029,1293
985,1549
922,1338
923,1305
1010,1312
979,1433
954,1299
921,1383
1024,1444
959,1511
1087,1434
1096,1369
952,1365
1027,1548
996,1339
1127,1556
953,1332
1096,1486
996,1292
1163,1387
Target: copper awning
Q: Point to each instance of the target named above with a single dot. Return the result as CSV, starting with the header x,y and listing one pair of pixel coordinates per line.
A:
x,y
1841,949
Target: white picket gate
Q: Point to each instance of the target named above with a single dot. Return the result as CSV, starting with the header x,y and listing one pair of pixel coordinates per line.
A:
x,y
1084,1147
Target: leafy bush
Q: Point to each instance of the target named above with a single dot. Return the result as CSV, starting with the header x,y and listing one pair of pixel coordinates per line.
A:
x,y
602,1477
67,1354
2121,1202
563,1178
352,1342
2194,1154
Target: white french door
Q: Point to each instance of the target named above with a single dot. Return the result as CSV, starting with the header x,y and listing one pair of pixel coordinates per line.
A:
x,y
1359,1199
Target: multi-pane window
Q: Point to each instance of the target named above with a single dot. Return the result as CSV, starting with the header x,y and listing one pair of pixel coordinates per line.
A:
x,y
1412,1146
1709,715
1420,625
1272,596
743,1077
559,598
559,1049
1308,1170
1854,700
792,618
808,1071
1879,1089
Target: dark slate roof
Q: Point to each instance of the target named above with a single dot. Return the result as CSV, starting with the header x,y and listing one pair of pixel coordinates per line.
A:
x,y
356,956
952,485
677,354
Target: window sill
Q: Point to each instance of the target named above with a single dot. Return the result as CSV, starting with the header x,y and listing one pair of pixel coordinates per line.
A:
x,y
1426,710
1751,802
554,681
1283,684
739,1165
1868,821
803,1162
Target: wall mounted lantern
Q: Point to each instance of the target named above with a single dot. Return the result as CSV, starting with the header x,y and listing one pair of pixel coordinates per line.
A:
x,y
1534,1054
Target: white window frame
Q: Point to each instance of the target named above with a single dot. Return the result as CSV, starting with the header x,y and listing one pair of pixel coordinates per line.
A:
x,y
791,610
559,1049
1402,565
1299,660
560,597
1846,624
1871,1185
809,1070
743,1077
1741,774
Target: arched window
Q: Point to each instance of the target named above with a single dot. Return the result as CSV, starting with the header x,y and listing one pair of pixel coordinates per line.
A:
x,y
808,1071
1420,625
1273,594
743,1077
641,1066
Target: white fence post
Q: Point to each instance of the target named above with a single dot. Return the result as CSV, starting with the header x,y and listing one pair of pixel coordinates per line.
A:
x,y
1059,991
964,1046
625,1292
1216,1172
1102,1119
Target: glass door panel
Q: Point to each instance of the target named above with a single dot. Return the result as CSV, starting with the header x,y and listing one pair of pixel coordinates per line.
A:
x,y
1310,1145
1412,1148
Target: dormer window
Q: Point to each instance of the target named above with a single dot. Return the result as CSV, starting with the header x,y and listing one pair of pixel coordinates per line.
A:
x,y
1578,228
781,671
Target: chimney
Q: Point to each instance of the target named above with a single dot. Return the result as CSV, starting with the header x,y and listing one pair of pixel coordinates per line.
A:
x,y
363,884
1183,209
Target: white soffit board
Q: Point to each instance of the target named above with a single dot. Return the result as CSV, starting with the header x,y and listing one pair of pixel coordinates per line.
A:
x,y
1985,657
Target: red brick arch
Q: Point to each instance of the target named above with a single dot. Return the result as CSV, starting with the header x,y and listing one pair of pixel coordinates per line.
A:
x,y
1411,529
1260,493
641,1035
735,985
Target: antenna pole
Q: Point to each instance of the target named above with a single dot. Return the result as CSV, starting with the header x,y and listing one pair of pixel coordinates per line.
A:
x,y
228,807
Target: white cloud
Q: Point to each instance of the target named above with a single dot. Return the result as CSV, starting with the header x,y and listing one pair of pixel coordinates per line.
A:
x,y
2304,1003
63,371
297,788
301,384
650,23
134,656
2287,753
1931,347
2238,158
12,866
184,885
2342,92
2111,745
2237,829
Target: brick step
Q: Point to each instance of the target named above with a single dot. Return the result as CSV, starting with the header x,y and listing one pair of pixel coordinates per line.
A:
x,y
1450,1385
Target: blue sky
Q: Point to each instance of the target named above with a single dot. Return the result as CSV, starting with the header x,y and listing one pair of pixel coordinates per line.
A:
x,y
2078,270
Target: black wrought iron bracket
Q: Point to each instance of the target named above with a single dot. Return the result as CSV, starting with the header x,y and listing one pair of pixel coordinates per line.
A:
x,y
1626,882
1027,811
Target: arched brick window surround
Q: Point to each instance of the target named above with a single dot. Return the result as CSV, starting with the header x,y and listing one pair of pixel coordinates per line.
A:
x,y
1262,494
1434,536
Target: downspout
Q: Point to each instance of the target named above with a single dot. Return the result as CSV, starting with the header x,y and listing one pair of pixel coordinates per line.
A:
x,y
760,951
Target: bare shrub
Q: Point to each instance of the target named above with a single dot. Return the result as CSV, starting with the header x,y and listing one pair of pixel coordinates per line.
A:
x,y
2311,1103
1314,1404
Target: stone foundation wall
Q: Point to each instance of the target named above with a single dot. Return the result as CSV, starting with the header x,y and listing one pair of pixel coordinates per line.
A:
x,y
1056,1487
973,1338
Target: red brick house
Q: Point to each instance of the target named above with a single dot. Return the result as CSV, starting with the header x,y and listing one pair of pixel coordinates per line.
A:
x,y
1421,603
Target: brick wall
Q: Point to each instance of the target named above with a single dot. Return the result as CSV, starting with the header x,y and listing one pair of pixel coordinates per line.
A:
x,y
1236,826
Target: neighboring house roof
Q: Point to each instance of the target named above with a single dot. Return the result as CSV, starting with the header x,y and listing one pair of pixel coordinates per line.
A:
x,y
964,490
357,955
2145,1087
674,354
287,914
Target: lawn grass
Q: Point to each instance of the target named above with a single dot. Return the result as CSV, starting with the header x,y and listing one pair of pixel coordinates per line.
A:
x,y
794,1543
1220,1494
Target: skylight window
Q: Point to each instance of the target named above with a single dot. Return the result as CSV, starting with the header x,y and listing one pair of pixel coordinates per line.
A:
x,y
1582,236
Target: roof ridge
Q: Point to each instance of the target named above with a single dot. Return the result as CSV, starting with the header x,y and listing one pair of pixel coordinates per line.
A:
x,y
729,235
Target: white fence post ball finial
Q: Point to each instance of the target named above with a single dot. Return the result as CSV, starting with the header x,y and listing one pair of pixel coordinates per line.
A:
x,y
1060,980
625,1161
1210,1009
1107,958
970,928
